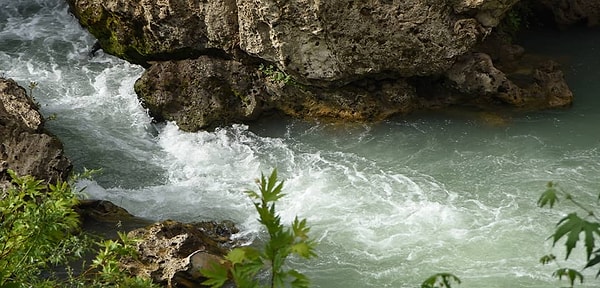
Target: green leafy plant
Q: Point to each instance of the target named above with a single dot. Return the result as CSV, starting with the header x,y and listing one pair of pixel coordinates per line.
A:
x,y
35,220
39,230
440,280
243,265
106,266
275,74
570,228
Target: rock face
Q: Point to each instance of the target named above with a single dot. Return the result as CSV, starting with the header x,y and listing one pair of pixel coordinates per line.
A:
x,y
341,40
146,30
171,252
24,145
338,59
208,92
201,93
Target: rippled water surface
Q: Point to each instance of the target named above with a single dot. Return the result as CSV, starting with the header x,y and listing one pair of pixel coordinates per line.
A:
x,y
390,203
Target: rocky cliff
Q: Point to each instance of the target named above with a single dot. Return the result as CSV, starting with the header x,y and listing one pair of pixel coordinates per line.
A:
x,y
25,146
215,62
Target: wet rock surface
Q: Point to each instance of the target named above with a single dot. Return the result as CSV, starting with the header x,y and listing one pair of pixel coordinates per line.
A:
x,y
25,146
171,252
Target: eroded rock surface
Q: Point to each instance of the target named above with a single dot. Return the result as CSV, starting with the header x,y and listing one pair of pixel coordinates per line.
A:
x,y
145,30
311,40
346,60
171,252
25,147
201,93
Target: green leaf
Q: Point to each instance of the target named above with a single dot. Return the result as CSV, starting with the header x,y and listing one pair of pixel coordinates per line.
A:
x,y
547,259
440,280
594,262
235,256
300,280
300,229
303,250
572,225
216,275
549,196
571,274
253,194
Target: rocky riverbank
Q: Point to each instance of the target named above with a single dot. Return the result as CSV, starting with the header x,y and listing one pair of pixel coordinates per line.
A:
x,y
221,62
28,149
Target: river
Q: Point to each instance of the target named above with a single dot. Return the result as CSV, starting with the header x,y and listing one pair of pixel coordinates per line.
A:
x,y
389,203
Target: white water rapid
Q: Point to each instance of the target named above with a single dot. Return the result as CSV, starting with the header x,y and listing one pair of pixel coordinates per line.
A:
x,y
390,203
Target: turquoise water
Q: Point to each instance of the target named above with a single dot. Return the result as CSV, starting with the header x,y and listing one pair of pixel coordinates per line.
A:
x,y
390,203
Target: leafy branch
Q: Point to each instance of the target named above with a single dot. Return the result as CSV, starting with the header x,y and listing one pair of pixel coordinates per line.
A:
x,y
571,227
242,265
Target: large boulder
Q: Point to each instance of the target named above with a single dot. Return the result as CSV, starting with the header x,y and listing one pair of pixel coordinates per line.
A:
x,y
541,83
25,146
342,40
208,92
201,93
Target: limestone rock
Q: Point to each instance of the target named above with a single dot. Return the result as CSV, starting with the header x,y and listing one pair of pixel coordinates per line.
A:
x,y
343,60
367,100
488,13
314,41
207,92
172,252
475,74
504,72
145,30
201,93
25,147
338,40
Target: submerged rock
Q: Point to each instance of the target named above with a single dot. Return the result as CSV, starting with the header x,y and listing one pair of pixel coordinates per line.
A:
x,y
171,252
25,146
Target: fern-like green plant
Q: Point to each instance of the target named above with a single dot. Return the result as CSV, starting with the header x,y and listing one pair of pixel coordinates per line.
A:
x,y
243,265
35,220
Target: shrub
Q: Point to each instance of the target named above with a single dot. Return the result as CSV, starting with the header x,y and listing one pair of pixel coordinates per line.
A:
x,y
39,231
